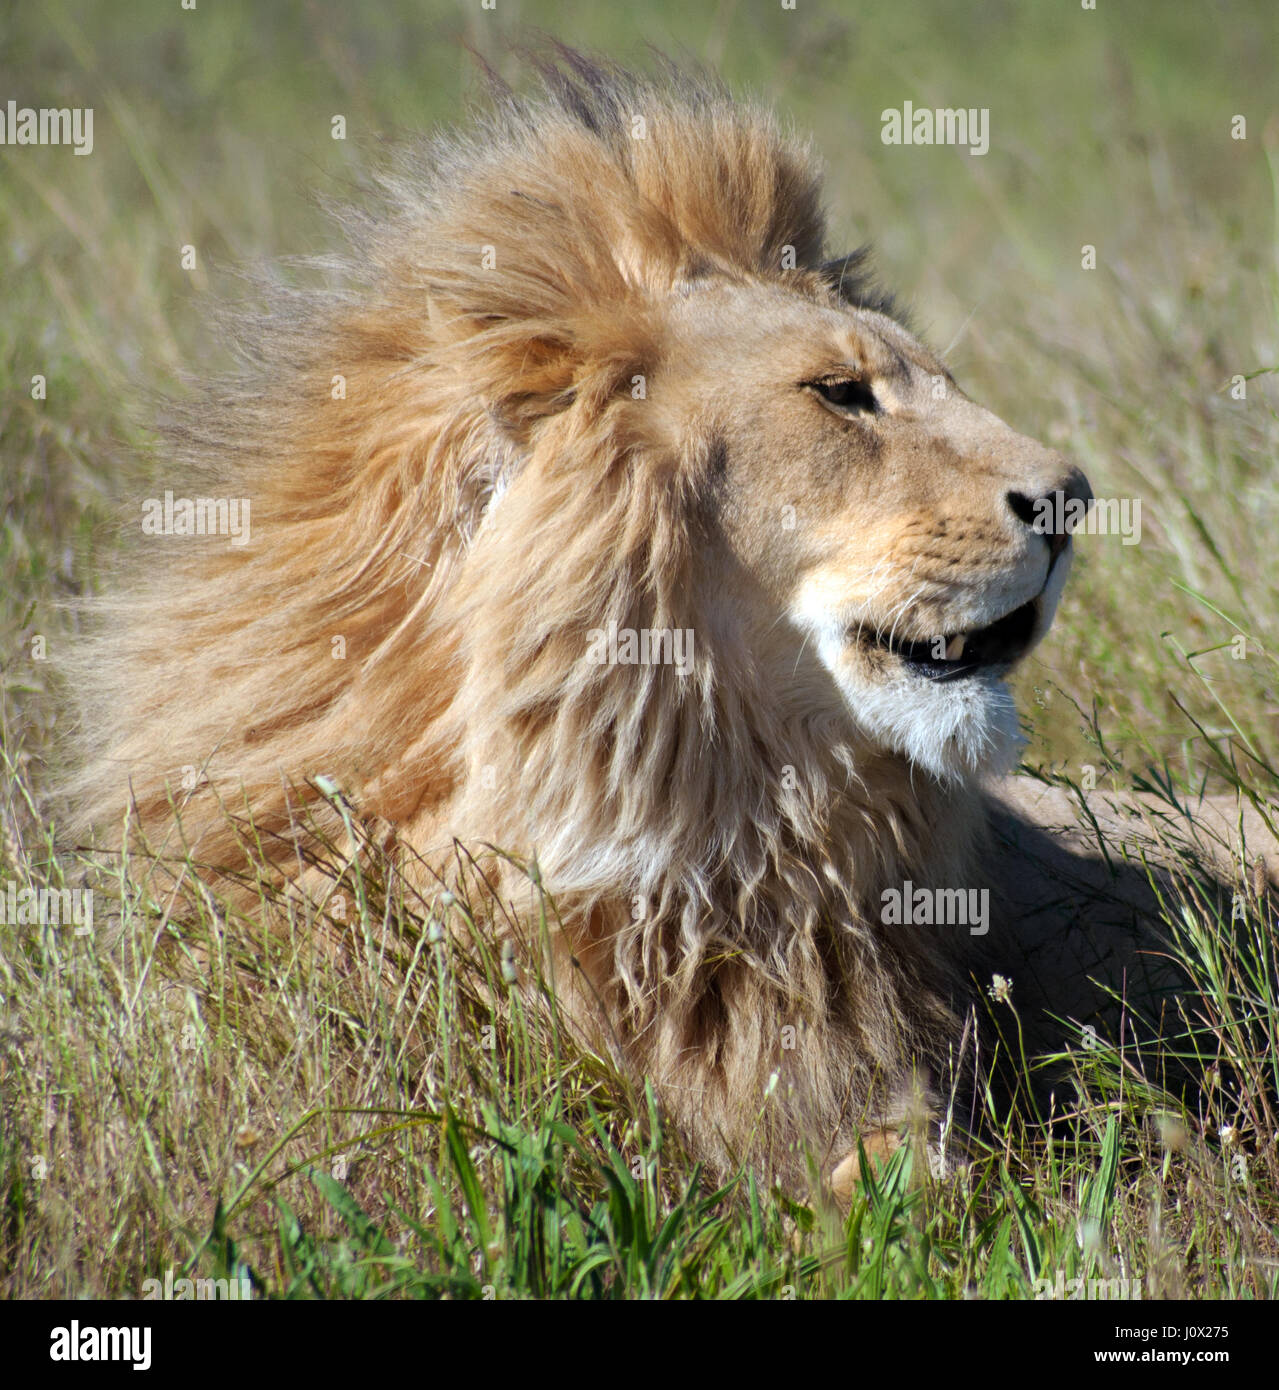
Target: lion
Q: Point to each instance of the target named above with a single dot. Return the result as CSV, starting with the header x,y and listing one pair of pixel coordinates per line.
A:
x,y
600,514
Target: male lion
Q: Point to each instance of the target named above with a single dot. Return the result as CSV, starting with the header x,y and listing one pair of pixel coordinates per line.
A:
x,y
651,543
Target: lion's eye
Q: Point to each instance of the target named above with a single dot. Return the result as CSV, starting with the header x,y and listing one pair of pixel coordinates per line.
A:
x,y
848,394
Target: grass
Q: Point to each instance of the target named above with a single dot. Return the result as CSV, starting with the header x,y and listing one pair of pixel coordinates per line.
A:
x,y
407,1115
398,1117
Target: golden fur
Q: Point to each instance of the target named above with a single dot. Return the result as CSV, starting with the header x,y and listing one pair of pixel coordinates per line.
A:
x,y
584,350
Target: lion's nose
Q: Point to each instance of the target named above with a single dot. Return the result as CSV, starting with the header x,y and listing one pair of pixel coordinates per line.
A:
x,y
1054,514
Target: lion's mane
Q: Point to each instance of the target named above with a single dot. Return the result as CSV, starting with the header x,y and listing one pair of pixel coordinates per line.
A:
x,y
449,489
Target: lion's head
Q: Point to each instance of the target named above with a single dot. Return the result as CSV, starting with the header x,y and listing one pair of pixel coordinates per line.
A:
x,y
603,516
865,508
875,510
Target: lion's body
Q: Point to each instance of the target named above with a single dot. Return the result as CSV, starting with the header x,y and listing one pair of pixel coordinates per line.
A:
x,y
525,418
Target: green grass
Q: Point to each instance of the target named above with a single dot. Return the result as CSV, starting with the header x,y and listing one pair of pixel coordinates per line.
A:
x,y
403,1114
398,1118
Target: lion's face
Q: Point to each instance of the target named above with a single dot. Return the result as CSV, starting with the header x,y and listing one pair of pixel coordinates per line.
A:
x,y
881,519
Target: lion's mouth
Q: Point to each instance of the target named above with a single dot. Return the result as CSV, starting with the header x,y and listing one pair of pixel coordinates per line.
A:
x,y
961,654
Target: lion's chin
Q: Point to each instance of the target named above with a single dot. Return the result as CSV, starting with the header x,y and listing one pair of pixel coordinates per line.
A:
x,y
950,713
956,731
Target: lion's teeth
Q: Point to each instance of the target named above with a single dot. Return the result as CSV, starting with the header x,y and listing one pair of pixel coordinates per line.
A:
x,y
955,648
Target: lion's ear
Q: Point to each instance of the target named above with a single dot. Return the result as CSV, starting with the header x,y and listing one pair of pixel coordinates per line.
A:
x,y
847,275
519,373
852,280
524,380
